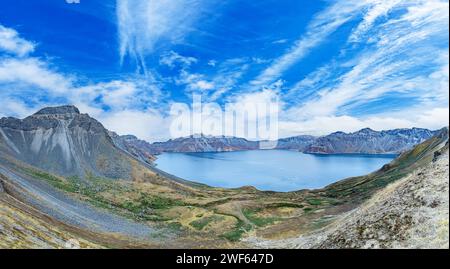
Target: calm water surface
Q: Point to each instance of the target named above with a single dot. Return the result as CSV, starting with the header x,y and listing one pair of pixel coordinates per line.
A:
x,y
276,170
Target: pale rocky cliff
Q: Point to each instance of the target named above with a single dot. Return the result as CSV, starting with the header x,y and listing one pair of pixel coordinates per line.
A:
x,y
61,140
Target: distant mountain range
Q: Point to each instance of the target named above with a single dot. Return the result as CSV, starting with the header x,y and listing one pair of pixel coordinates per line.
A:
x,y
365,141
66,142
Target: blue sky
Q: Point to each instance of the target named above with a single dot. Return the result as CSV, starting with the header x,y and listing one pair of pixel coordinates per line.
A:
x,y
334,65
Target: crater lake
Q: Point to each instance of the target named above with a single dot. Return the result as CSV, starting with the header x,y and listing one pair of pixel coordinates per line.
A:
x,y
274,170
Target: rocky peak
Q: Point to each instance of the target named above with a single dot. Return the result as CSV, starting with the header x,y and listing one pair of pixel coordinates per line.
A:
x,y
337,133
59,110
67,116
64,141
367,131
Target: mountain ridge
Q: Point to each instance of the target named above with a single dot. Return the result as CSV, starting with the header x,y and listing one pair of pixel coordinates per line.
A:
x,y
368,141
63,141
364,141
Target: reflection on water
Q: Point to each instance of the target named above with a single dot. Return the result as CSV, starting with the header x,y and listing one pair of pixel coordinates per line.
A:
x,y
276,170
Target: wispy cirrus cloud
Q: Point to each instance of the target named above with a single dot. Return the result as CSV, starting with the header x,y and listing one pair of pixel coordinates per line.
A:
x,y
375,10
171,59
143,25
213,86
406,50
323,24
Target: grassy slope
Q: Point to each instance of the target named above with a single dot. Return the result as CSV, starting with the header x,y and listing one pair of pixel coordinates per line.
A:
x,y
215,217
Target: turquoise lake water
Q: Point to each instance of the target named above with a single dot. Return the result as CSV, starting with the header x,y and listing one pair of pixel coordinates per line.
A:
x,y
276,170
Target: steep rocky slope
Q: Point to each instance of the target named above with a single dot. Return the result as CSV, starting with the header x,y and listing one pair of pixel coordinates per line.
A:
x,y
140,149
61,140
299,143
412,212
23,227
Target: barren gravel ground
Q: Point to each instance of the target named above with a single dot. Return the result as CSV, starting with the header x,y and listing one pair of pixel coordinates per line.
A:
x,y
19,228
410,213
73,212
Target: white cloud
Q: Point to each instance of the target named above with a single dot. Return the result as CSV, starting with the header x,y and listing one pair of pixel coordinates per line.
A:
x,y
225,79
405,60
172,58
10,42
29,83
308,85
434,119
258,60
33,73
144,24
204,85
194,82
280,41
115,94
215,86
14,108
263,96
212,63
324,23
149,125
376,10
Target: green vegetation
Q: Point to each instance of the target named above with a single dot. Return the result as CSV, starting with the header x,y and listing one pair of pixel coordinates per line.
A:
x,y
53,180
202,223
176,226
158,202
240,229
278,205
314,201
251,215
143,208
